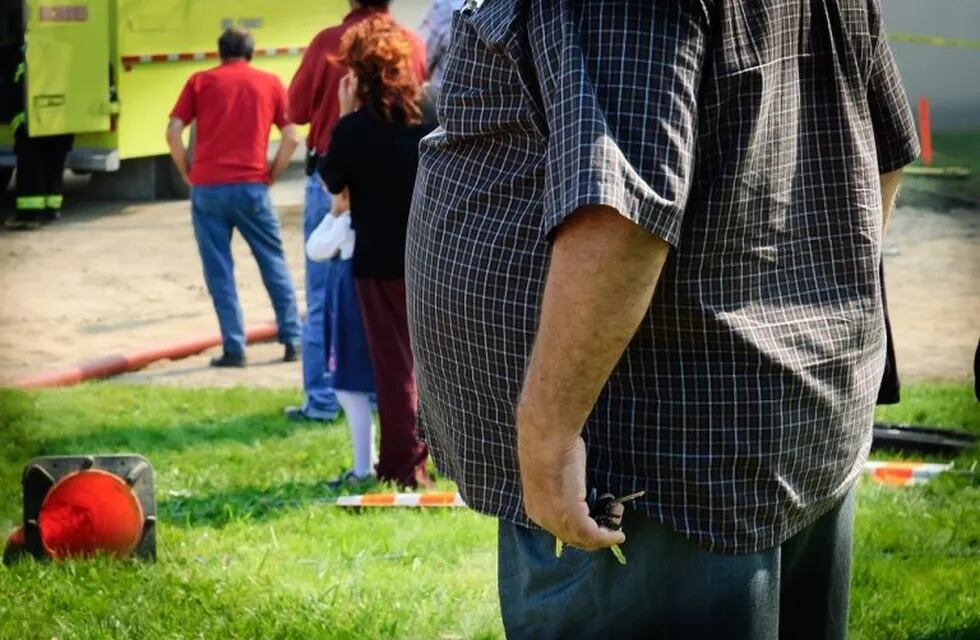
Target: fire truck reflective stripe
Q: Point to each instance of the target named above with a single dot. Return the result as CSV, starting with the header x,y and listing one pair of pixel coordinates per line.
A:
x,y
18,120
30,203
152,58
54,202
19,73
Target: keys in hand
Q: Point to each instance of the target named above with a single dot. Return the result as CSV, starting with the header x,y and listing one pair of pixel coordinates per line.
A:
x,y
607,511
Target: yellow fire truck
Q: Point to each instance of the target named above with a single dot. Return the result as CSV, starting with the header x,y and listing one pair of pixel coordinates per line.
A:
x,y
109,71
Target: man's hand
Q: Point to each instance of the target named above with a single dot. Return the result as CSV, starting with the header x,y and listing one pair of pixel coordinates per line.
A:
x,y
284,155
553,479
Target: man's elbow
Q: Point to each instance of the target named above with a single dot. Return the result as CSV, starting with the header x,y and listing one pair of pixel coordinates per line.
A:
x,y
290,136
175,130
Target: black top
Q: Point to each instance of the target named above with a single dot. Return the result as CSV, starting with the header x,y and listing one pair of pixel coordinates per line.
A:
x,y
377,162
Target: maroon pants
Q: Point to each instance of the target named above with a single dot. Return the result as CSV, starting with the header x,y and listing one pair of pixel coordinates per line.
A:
x,y
402,457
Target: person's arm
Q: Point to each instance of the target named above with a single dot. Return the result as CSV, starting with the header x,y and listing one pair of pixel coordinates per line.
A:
x,y
284,155
183,113
603,272
336,164
896,140
175,130
889,191
619,170
301,87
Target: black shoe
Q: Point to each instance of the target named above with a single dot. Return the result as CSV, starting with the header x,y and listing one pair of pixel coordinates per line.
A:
x,y
229,360
291,353
349,480
298,414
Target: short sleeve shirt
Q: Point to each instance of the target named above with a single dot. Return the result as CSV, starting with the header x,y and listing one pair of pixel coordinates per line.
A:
x,y
234,106
748,135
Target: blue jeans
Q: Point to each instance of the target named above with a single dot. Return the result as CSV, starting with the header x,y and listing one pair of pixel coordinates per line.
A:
x,y
320,402
216,211
671,588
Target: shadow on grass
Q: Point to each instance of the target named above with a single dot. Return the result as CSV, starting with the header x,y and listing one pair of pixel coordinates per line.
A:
x,y
244,504
969,632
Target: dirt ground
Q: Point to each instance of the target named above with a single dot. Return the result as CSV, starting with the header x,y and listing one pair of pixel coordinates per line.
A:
x,y
112,278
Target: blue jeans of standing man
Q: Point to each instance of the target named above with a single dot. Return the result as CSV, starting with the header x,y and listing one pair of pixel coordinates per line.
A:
x,y
320,402
216,211
671,588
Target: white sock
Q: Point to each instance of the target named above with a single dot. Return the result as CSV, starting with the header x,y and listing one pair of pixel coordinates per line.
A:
x,y
357,408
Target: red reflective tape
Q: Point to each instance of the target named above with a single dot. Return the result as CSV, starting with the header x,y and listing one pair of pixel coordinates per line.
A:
x,y
129,62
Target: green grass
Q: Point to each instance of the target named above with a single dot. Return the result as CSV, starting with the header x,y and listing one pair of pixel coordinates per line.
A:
x,y
244,554
952,148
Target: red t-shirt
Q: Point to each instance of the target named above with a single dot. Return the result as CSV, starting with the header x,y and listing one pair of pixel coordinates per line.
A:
x,y
235,106
313,91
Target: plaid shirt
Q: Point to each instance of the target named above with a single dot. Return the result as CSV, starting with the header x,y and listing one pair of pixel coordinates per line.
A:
x,y
747,134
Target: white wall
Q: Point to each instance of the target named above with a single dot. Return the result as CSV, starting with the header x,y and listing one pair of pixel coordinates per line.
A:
x,y
949,77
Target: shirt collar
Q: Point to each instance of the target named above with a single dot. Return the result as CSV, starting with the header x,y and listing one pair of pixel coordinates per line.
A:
x,y
363,12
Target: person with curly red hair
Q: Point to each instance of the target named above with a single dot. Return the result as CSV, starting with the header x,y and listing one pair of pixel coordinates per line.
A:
x,y
373,156
313,101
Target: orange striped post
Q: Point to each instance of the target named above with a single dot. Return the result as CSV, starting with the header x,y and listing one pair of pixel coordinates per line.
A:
x,y
925,130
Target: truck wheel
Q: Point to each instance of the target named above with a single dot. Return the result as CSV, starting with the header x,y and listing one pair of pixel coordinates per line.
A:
x,y
169,184
5,174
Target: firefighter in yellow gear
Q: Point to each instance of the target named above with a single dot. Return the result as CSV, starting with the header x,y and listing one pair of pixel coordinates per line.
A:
x,y
40,166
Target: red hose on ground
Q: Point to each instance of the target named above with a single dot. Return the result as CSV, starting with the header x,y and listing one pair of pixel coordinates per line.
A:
x,y
108,366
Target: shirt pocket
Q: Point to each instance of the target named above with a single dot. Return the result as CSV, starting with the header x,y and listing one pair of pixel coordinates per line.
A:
x,y
483,91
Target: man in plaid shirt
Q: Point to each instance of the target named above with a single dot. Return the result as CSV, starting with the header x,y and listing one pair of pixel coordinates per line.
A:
x,y
643,255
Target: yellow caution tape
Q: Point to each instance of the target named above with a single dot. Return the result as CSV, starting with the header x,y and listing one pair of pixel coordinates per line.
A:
x,y
935,41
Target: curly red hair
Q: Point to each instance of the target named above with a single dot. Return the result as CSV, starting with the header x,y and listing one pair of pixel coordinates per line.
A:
x,y
379,52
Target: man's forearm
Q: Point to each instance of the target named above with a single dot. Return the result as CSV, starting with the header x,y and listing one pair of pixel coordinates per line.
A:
x,y
177,151
603,272
284,155
889,191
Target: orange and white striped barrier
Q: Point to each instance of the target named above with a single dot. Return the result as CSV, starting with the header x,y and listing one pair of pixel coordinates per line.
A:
x,y
435,499
903,474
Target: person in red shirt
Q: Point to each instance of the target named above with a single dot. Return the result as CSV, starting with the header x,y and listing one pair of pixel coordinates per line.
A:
x,y
235,106
313,101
